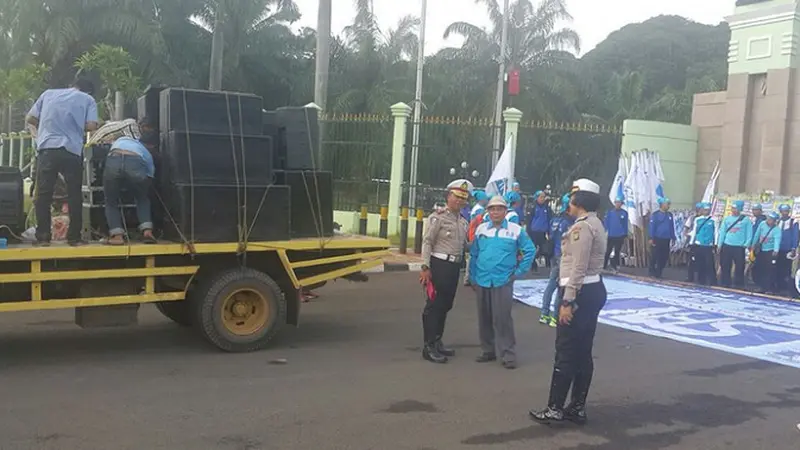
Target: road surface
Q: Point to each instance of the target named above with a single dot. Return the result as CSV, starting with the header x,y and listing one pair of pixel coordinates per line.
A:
x,y
351,377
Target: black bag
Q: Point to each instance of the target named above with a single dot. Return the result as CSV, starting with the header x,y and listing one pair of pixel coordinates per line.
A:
x,y
548,248
757,246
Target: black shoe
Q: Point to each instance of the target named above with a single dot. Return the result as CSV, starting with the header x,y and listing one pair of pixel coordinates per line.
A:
x,y
429,353
576,413
444,350
486,357
77,243
547,416
511,365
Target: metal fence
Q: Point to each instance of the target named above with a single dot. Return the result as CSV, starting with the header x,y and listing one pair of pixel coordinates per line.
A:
x,y
18,150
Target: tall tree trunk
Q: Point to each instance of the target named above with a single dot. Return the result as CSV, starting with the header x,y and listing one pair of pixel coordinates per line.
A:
x,y
322,69
217,44
119,105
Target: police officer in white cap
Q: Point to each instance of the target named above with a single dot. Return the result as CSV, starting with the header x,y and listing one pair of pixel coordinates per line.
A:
x,y
443,249
583,250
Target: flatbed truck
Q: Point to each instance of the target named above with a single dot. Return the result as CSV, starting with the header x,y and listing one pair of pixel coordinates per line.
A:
x,y
236,296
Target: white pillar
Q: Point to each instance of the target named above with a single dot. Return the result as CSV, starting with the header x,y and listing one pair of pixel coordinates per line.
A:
x,y
512,118
400,112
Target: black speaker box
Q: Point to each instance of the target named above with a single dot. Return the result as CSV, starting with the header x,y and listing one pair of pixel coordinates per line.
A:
x,y
12,212
210,112
218,207
217,159
299,128
148,104
312,201
272,128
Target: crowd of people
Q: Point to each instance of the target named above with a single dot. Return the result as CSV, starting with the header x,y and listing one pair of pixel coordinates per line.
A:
x,y
759,246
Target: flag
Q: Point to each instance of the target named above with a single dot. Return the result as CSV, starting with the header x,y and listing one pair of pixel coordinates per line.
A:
x,y
502,178
631,193
711,187
618,186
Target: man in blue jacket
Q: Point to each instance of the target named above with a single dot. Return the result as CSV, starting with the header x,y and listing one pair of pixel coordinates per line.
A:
x,y
789,237
539,226
766,242
735,235
616,223
496,262
558,226
514,201
701,239
662,233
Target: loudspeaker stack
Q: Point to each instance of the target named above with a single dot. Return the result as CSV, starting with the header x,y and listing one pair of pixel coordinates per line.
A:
x,y
216,171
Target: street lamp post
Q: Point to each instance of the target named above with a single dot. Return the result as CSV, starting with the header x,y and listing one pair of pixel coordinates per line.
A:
x,y
465,173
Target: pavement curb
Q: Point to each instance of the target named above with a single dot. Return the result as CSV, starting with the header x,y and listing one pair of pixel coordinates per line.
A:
x,y
396,267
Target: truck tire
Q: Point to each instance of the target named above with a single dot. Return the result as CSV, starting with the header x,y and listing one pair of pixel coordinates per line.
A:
x,y
239,310
178,312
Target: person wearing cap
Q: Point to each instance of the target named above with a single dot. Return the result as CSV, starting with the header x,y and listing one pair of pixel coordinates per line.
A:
x,y
735,235
558,228
701,240
662,232
766,244
687,232
757,211
539,226
496,262
584,295
520,208
476,213
616,223
443,246
514,200
786,253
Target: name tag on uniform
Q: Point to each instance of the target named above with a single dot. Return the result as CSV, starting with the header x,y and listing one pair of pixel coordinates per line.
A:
x,y
505,234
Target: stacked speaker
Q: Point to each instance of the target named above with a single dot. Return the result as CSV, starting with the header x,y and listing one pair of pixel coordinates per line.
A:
x,y
227,169
216,169
296,161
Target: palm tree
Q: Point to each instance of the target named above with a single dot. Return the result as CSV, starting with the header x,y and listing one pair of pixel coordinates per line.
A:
x,y
58,31
371,69
233,23
542,51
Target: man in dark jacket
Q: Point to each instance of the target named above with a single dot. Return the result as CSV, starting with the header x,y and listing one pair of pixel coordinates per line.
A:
x,y
616,224
539,226
662,233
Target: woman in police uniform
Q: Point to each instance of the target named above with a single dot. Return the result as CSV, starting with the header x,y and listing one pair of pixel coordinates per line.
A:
x,y
583,250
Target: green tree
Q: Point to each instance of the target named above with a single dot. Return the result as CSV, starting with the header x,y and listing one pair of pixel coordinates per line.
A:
x,y
115,67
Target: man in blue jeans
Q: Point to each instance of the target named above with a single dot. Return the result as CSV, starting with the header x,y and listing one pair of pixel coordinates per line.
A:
x,y
130,166
61,118
558,226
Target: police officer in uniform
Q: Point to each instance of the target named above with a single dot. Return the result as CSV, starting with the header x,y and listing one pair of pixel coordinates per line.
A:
x,y
443,249
583,250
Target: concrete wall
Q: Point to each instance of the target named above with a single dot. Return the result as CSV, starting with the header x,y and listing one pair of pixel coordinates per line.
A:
x,y
677,146
708,115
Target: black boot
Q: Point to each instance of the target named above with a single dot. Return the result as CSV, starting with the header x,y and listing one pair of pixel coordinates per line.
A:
x,y
576,412
559,387
430,353
444,350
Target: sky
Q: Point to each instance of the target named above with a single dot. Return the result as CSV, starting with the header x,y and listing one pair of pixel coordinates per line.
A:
x,y
594,20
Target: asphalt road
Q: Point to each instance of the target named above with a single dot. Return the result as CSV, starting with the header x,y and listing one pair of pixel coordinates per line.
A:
x,y
353,379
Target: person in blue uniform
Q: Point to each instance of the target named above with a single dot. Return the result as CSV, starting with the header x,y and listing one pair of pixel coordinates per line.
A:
x,y
558,226
662,233
501,251
479,210
616,223
766,244
520,209
757,210
701,239
735,235
789,237
539,226
514,201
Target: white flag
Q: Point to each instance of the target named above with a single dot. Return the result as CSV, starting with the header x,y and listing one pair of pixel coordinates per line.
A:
x,y
711,187
502,177
618,186
631,193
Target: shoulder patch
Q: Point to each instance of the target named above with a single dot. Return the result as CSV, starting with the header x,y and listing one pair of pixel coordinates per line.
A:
x,y
575,234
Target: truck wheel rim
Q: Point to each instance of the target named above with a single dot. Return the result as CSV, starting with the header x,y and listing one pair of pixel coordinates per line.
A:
x,y
245,312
